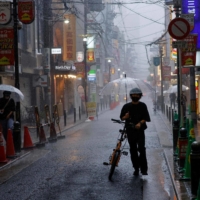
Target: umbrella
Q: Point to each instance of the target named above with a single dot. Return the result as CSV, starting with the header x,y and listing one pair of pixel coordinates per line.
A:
x,y
173,89
120,86
12,89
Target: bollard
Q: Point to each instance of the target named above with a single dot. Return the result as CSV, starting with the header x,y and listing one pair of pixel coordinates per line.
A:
x,y
167,111
170,114
79,112
195,166
183,142
65,118
74,115
172,117
175,133
17,136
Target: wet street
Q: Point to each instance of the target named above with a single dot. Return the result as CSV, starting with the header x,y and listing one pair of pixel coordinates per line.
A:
x,y
72,168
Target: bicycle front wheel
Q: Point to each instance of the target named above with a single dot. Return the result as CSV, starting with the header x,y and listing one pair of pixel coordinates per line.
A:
x,y
113,165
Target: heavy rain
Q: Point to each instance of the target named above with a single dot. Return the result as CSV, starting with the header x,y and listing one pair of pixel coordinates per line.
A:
x,y
99,99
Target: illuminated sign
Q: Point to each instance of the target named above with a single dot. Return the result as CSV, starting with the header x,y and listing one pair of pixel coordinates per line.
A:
x,y
192,6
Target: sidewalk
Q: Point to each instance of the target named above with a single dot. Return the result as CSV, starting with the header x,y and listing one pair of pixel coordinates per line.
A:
x,y
182,188
70,123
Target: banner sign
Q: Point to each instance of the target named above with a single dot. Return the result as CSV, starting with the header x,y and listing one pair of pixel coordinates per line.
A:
x,y
7,46
166,71
192,6
69,38
5,13
26,12
188,55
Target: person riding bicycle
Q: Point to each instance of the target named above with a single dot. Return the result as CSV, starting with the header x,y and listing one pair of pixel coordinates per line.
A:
x,y
136,115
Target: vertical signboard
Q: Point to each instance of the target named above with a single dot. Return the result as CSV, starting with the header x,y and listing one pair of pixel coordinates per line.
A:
x,y
26,11
166,70
69,38
6,46
188,55
5,12
192,6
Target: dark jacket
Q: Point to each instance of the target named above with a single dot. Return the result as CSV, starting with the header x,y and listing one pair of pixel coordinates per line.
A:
x,y
9,107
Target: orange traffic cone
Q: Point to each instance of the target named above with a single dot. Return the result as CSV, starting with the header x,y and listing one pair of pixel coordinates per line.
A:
x,y
27,139
10,150
42,137
2,151
53,135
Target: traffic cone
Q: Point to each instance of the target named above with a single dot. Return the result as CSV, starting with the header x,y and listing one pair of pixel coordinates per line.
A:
x,y
198,192
175,115
2,150
53,135
27,139
187,166
10,150
42,137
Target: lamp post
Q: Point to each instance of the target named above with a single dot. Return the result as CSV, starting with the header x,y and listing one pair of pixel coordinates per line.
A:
x,y
118,72
85,65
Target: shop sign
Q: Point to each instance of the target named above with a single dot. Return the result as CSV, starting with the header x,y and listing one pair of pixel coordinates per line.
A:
x,y
5,12
91,109
69,38
65,68
7,46
188,55
192,6
26,12
166,70
90,55
156,61
79,56
56,51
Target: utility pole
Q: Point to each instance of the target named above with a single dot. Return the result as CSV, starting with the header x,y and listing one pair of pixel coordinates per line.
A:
x,y
179,71
85,53
15,17
161,69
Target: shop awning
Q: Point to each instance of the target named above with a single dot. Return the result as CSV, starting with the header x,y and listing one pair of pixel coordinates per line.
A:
x,y
184,71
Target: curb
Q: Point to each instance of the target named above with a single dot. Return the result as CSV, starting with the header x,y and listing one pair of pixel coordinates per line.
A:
x,y
14,160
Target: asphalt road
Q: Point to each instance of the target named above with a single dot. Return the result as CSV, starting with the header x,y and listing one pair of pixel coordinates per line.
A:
x,y
72,168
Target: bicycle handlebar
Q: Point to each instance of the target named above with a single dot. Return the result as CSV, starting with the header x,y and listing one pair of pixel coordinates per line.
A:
x,y
118,121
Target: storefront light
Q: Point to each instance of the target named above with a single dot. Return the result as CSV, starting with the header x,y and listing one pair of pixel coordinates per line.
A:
x,y
71,76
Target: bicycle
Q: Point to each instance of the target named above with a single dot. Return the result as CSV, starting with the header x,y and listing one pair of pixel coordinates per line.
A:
x,y
119,149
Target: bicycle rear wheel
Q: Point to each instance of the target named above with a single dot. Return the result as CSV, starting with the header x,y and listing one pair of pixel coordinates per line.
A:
x,y
113,165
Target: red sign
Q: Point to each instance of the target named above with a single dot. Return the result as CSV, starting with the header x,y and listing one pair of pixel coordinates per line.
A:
x,y
26,12
166,71
6,46
188,55
179,28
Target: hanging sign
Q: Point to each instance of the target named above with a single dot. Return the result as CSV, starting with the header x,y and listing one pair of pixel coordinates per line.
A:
x,y
90,55
156,61
79,56
5,12
7,46
26,12
166,70
188,55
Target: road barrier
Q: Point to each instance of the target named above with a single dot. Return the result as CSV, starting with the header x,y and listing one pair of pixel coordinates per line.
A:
x,y
3,158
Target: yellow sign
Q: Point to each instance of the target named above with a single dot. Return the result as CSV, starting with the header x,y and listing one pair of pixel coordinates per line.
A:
x,y
91,109
69,38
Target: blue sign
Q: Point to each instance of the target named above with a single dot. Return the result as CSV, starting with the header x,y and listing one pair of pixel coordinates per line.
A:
x,y
156,61
193,6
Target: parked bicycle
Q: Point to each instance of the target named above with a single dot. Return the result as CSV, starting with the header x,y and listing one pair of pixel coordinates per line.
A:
x,y
29,117
119,149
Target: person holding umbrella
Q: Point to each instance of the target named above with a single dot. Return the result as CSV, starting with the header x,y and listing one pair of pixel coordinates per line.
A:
x,y
7,108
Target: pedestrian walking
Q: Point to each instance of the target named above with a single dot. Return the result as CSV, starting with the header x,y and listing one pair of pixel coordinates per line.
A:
x,y
172,97
7,108
137,113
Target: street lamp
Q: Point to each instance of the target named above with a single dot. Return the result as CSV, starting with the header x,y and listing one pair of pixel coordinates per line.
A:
x,y
118,72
